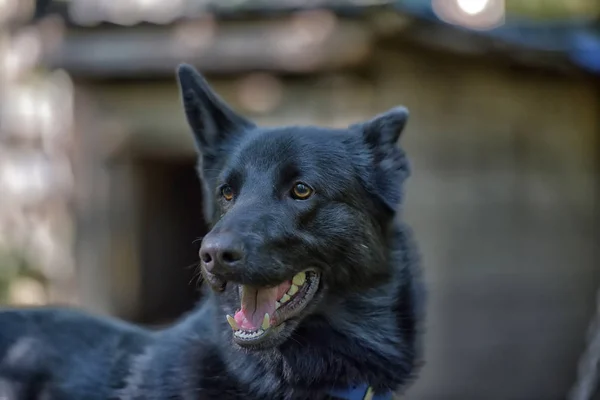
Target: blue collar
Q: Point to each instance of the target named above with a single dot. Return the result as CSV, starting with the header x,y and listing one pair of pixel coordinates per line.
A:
x,y
359,392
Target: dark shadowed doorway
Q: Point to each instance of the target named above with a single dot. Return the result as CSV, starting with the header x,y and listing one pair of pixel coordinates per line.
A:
x,y
171,225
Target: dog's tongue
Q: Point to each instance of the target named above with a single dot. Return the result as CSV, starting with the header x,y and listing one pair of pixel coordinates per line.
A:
x,y
256,302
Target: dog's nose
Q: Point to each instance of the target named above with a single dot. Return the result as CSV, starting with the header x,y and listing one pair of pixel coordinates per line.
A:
x,y
221,250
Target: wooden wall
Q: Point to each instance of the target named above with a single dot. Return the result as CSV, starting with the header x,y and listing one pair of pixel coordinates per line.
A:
x,y
503,202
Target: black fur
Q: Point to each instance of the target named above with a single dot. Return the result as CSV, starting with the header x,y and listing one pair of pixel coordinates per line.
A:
x,y
361,327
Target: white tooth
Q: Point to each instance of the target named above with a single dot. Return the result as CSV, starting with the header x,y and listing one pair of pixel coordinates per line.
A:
x,y
277,305
299,279
232,322
293,290
284,299
249,335
266,322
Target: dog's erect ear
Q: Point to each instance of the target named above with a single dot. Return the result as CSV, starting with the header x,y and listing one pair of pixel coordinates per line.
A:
x,y
390,166
385,129
211,119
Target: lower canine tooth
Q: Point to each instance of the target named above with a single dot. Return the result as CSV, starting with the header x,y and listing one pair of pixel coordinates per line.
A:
x,y
299,279
232,322
266,322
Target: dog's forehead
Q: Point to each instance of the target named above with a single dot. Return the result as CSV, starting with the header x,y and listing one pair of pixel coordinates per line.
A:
x,y
308,147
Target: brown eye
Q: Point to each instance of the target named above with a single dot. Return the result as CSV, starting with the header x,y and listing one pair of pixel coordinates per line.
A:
x,y
227,192
300,191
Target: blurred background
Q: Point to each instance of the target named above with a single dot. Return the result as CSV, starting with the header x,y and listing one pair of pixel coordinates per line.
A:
x,y
100,206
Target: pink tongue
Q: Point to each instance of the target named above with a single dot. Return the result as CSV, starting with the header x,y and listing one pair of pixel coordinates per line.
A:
x,y
256,302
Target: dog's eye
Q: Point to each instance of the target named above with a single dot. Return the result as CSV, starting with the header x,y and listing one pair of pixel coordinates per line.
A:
x,y
301,191
227,192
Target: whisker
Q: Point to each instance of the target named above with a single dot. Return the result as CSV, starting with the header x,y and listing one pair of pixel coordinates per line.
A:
x,y
197,277
193,265
198,239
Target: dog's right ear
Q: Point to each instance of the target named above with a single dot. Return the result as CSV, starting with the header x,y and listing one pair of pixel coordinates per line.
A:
x,y
211,119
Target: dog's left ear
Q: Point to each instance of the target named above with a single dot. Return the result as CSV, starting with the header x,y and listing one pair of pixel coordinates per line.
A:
x,y
211,119
390,166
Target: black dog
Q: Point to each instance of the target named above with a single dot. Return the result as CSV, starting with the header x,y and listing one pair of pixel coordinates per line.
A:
x,y
316,289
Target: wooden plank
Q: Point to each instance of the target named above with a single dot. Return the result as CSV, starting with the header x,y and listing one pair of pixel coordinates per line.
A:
x,y
316,43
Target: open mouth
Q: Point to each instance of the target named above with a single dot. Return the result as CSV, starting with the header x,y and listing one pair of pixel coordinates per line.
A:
x,y
263,310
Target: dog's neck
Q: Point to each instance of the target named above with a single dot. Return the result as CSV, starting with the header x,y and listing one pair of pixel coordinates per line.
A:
x,y
329,351
363,338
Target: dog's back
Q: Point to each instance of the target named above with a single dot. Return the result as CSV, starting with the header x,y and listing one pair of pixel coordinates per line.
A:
x,y
38,345
24,361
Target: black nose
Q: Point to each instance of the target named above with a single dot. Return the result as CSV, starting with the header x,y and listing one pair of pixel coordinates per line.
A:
x,y
223,250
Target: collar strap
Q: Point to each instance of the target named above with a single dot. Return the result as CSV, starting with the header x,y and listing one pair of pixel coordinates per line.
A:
x,y
359,392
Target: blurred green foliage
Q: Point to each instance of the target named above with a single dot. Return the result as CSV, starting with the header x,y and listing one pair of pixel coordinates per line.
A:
x,y
550,9
14,265
10,265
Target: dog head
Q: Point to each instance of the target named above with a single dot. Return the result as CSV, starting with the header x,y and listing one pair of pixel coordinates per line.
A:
x,y
299,215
